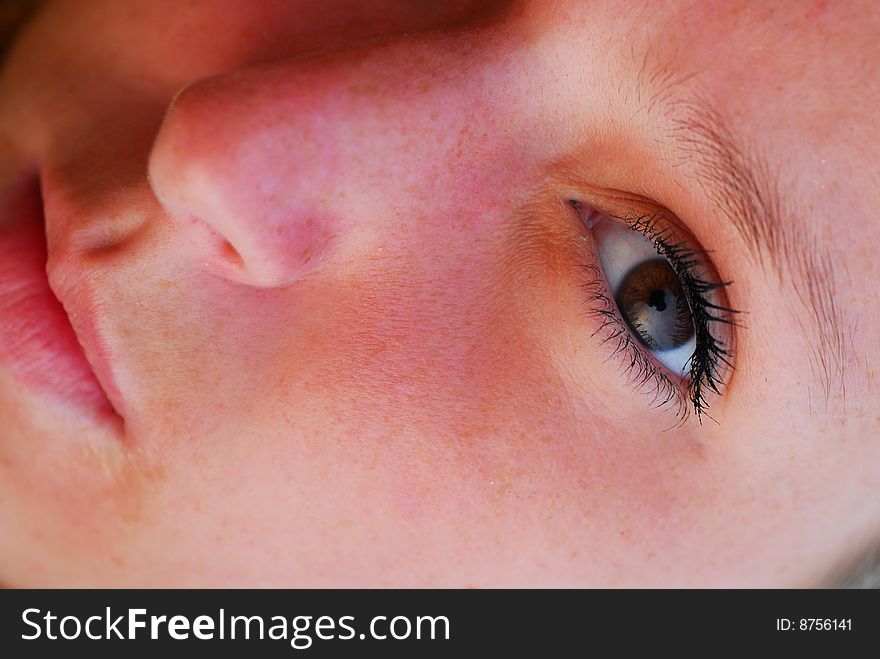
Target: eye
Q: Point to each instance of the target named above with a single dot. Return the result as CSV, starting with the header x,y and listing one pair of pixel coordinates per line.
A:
x,y
648,293
662,306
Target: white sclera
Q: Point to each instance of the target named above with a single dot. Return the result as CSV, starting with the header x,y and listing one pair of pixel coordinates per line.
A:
x,y
620,250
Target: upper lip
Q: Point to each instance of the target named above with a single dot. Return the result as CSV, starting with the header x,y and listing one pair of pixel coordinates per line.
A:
x,y
76,297
90,219
68,278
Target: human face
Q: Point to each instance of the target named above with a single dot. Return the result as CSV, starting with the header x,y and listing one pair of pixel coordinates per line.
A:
x,y
336,321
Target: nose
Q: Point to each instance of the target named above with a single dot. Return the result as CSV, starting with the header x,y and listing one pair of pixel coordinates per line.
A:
x,y
278,168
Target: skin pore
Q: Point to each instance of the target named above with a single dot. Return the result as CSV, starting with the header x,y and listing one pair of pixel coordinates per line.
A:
x,y
336,297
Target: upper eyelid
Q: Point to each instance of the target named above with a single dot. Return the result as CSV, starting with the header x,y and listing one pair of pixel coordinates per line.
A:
x,y
632,208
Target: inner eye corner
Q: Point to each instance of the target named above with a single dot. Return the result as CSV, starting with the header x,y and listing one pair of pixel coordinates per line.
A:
x,y
589,215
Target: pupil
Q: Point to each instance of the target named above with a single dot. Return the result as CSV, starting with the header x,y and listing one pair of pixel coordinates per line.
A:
x,y
657,299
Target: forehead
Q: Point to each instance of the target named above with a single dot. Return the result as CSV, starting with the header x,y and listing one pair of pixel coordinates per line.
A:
x,y
790,66
798,84
816,63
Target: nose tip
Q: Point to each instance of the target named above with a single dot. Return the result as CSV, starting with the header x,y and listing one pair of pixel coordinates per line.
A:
x,y
211,170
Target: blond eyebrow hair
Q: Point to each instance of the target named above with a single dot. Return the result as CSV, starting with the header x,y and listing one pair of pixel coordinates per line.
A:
x,y
743,187
739,181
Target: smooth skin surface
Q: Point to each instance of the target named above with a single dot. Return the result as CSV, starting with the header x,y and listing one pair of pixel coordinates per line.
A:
x,y
339,303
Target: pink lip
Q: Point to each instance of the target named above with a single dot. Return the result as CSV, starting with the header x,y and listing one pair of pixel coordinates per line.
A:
x,y
37,341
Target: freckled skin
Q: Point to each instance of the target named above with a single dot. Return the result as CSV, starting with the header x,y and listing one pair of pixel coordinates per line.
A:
x,y
346,308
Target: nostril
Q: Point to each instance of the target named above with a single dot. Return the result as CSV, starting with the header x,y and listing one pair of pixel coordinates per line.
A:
x,y
220,250
230,181
230,254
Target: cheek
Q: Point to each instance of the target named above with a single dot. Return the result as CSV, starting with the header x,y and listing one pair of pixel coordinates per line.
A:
x,y
427,342
426,384
482,352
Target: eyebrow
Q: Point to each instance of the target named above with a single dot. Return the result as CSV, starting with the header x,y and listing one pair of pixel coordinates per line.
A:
x,y
746,191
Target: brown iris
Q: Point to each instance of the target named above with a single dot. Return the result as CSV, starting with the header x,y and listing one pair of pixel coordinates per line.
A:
x,y
654,305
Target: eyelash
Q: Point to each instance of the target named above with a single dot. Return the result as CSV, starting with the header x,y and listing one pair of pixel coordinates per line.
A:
x,y
711,354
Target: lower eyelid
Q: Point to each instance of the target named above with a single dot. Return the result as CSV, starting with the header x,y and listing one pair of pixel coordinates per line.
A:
x,y
610,332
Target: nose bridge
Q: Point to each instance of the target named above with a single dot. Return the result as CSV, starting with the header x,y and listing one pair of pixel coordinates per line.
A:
x,y
286,162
